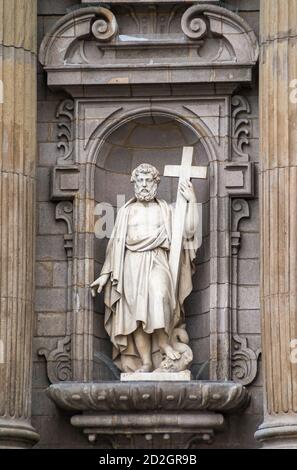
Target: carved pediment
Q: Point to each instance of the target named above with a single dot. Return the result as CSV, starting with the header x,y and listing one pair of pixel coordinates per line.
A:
x,y
57,45
203,43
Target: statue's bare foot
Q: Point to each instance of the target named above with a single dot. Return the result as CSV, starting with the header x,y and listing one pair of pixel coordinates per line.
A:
x,y
145,368
171,353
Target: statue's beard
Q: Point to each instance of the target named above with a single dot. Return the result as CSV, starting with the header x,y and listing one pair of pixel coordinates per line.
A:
x,y
143,195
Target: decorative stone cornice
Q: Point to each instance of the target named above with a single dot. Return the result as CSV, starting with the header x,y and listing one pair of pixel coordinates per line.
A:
x,y
85,47
225,397
72,27
226,24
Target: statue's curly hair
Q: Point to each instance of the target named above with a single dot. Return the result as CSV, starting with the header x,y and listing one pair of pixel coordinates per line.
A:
x,y
145,168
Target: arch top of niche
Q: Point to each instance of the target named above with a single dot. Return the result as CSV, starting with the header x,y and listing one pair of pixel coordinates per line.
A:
x,y
201,44
117,117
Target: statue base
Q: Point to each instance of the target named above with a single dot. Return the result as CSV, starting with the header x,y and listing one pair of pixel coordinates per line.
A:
x,y
156,376
130,415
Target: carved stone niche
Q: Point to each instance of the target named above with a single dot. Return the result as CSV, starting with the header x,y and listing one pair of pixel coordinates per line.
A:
x,y
122,67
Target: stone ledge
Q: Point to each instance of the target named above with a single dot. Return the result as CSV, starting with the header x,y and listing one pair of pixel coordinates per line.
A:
x,y
202,426
226,397
188,410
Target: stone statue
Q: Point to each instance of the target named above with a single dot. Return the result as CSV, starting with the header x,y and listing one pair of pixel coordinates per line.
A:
x,y
144,314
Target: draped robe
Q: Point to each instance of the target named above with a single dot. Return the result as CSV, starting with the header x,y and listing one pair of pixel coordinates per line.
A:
x,y
140,292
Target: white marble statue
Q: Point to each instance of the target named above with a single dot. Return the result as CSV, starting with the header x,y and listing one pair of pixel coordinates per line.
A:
x,y
144,308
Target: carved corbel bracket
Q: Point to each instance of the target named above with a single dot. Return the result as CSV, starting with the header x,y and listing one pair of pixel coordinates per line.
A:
x,y
58,361
244,361
59,364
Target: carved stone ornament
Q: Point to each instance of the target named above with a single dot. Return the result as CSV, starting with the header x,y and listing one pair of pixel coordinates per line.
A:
x,y
240,127
193,26
64,186
89,21
65,134
59,365
77,57
105,27
120,396
86,47
58,361
190,410
198,18
64,211
244,361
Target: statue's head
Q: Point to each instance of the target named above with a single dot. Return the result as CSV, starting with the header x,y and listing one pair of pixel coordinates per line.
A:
x,y
146,179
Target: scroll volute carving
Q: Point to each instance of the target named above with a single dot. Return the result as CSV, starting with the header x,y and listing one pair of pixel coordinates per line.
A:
x,y
193,24
65,115
75,26
200,21
241,127
244,360
105,27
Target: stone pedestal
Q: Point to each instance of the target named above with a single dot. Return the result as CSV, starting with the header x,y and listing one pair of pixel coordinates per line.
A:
x,y
129,414
157,376
278,155
17,208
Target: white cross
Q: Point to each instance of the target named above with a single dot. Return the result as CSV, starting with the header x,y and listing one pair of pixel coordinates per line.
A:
x,y
184,171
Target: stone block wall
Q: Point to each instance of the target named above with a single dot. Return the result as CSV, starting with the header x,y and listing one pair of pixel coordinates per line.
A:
x,y
51,265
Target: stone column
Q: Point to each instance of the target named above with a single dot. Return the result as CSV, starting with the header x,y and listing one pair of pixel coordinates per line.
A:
x,y
278,156
18,101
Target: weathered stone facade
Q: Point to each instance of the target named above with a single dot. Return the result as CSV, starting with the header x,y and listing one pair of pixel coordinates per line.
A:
x,y
278,247
231,282
17,218
119,84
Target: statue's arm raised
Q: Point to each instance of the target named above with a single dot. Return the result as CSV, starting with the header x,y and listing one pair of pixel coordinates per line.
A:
x,y
191,222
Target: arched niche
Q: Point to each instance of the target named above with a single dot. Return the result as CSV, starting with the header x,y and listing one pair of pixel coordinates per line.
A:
x,y
113,88
159,140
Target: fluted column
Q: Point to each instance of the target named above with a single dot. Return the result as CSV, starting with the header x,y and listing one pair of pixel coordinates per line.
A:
x,y
278,155
18,20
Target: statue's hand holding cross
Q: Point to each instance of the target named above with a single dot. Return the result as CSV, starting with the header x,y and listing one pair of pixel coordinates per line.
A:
x,y
185,194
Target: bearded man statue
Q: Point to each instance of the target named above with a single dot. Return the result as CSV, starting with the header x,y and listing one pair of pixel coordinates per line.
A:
x,y
143,312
